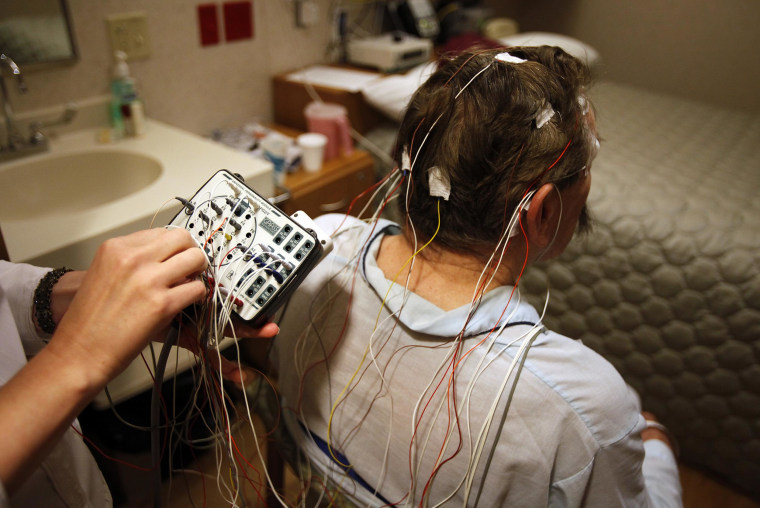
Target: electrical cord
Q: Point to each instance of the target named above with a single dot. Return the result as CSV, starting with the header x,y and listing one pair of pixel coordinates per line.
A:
x,y
155,434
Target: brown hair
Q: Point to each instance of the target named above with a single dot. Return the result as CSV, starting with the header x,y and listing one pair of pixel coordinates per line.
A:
x,y
487,141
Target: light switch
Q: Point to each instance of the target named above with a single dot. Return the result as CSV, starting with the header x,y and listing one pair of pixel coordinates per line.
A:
x,y
128,32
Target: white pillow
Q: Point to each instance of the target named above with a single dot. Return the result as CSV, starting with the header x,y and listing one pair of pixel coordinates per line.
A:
x,y
391,94
578,49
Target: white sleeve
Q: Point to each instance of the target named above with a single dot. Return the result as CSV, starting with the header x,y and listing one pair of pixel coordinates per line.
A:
x,y
18,282
661,475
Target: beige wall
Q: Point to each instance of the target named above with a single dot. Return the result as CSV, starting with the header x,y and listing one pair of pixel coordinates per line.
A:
x,y
701,49
705,50
186,85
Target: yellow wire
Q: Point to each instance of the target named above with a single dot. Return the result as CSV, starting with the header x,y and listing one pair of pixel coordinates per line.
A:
x,y
366,350
232,484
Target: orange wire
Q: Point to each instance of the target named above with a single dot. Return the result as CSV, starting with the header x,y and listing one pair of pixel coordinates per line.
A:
x,y
213,233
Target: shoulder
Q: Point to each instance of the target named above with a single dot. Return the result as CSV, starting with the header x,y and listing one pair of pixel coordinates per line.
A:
x,y
349,234
589,386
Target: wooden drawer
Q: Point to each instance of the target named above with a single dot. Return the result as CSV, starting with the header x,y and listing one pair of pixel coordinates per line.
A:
x,y
334,197
291,97
331,189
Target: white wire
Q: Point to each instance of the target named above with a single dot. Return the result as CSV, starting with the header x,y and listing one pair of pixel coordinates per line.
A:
x,y
481,71
222,303
479,369
513,220
476,300
536,328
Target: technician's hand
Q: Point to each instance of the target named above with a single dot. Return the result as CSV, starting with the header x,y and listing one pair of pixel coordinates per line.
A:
x,y
231,371
132,291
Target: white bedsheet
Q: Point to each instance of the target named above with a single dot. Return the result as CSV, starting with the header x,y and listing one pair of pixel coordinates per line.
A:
x,y
668,285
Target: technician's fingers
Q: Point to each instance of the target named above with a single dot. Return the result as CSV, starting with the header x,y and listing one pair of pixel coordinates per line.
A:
x,y
158,244
184,294
231,371
246,331
183,265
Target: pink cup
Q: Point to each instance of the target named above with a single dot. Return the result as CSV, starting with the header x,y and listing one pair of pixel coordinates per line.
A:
x,y
332,121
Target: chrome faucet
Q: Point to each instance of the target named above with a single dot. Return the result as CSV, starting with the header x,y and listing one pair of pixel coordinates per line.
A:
x,y
15,145
11,136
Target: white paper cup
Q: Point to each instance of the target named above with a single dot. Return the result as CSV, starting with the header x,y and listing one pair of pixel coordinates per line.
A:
x,y
312,146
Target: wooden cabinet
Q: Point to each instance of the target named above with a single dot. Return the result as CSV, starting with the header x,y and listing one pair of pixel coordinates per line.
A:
x,y
331,189
291,97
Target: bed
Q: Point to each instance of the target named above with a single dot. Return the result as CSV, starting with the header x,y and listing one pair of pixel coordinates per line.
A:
x,y
667,287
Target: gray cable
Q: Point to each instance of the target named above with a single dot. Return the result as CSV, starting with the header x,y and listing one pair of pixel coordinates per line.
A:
x,y
155,404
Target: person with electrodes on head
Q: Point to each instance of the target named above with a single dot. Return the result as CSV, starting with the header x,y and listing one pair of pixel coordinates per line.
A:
x,y
410,370
79,330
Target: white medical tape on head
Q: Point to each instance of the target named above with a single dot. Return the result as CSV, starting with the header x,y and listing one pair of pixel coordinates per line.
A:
x,y
583,103
507,58
523,206
406,161
544,115
439,183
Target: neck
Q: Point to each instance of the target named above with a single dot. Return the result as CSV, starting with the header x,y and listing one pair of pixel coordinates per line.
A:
x,y
446,279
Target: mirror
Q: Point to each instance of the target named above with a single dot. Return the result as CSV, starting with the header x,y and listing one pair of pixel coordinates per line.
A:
x,y
37,32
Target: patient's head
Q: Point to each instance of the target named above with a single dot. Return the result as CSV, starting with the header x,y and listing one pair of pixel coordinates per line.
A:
x,y
515,126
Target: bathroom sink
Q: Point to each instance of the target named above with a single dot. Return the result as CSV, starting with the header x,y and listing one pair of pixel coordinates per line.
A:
x,y
73,182
57,208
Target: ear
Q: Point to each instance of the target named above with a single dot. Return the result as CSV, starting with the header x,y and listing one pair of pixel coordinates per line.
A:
x,y
543,217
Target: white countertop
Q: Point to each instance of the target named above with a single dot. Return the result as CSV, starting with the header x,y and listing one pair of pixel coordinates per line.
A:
x,y
188,161
71,238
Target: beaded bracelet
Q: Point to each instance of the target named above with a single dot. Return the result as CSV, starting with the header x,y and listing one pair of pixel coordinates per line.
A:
x,y
42,311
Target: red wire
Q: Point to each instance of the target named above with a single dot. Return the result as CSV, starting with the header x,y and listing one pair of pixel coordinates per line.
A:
x,y
113,459
348,312
242,469
477,53
225,256
360,195
451,378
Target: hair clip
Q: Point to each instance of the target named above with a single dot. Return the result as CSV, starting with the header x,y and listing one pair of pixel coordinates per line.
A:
x,y
507,58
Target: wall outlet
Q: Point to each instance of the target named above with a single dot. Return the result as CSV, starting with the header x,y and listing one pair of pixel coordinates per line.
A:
x,y
128,32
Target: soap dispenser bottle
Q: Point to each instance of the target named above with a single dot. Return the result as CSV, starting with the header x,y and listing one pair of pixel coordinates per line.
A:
x,y
132,114
121,85
127,116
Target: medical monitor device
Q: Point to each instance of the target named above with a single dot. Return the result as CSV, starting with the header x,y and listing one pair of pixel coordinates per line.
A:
x,y
257,254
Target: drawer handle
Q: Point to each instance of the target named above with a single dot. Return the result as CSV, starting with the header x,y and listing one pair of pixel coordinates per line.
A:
x,y
333,207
